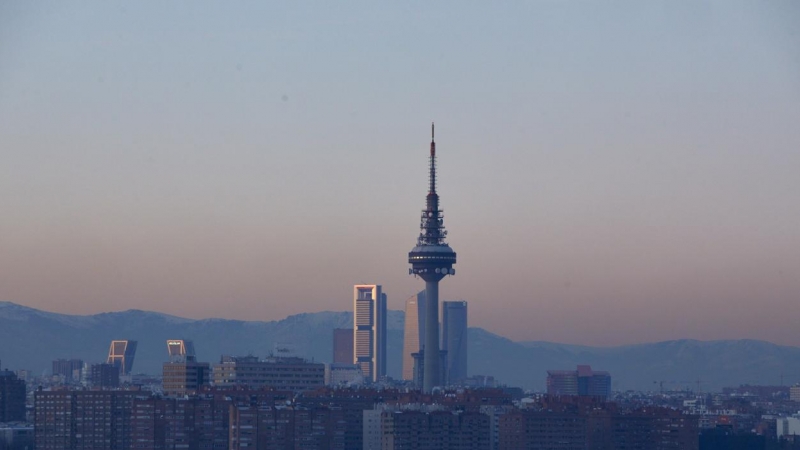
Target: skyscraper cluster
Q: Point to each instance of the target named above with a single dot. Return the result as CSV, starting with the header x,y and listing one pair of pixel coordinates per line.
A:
x,y
429,358
432,259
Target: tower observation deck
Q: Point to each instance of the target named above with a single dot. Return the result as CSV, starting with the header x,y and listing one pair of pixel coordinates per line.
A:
x,y
432,259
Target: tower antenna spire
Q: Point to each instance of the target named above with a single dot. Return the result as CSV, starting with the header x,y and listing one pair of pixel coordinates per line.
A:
x,y
432,259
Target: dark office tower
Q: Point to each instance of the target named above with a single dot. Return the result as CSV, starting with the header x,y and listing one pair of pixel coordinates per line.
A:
x,y
583,381
104,375
12,397
343,345
454,339
432,259
68,369
121,354
414,332
369,334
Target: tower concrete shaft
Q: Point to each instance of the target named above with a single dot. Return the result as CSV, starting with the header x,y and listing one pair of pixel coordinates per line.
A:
x,y
432,259
432,372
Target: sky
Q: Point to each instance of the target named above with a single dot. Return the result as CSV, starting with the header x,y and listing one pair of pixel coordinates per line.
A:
x,y
610,172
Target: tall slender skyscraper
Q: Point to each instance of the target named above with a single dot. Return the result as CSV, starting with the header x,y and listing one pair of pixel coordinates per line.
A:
x,y
413,333
432,259
369,330
454,339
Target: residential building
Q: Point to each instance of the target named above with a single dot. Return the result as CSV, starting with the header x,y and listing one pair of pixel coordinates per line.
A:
x,y
435,430
595,425
83,419
341,374
188,423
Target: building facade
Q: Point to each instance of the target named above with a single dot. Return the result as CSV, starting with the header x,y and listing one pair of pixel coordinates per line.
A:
x,y
68,369
104,375
454,340
794,393
435,430
583,381
17,436
343,346
369,330
121,355
413,332
340,374
595,427
180,350
183,378
288,374
83,419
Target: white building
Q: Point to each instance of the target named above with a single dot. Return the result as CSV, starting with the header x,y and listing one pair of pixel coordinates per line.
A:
x,y
373,431
794,393
788,426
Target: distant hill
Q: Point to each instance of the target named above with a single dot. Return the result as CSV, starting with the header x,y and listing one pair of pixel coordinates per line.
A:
x,y
31,339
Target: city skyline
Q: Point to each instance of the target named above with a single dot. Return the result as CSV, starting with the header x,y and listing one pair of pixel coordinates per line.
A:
x,y
633,162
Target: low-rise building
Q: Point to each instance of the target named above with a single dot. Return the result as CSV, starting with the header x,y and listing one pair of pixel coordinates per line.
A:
x,y
338,374
294,374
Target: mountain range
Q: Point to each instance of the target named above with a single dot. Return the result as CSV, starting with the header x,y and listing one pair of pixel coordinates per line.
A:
x,y
31,339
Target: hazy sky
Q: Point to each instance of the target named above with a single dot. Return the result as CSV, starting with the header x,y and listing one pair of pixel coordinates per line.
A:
x,y
611,172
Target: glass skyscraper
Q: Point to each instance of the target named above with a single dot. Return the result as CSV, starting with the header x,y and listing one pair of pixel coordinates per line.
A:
x,y
413,333
121,354
454,339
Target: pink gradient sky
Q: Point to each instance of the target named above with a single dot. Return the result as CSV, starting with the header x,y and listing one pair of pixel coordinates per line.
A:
x,y
610,173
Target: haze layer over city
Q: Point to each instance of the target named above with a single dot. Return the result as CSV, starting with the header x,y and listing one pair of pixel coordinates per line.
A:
x,y
609,173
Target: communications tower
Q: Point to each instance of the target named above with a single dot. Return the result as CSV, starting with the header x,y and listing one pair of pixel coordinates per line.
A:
x,y
432,259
